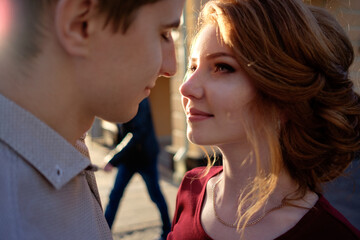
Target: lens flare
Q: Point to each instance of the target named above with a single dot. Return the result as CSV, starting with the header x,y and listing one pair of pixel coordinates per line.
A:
x,y
5,21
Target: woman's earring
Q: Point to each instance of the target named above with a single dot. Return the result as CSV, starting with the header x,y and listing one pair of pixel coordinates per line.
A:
x,y
250,64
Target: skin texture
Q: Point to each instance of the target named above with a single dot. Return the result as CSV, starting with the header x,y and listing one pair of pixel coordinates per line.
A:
x,y
218,88
131,63
85,70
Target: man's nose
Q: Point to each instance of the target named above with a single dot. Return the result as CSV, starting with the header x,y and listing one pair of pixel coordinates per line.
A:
x,y
168,67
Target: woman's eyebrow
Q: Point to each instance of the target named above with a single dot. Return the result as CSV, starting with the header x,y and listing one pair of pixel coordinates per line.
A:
x,y
219,54
212,56
193,59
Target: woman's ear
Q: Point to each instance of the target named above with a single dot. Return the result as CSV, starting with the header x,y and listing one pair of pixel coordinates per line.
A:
x,y
74,24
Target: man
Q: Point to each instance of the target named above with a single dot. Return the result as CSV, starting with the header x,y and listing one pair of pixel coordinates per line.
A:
x,y
62,63
138,153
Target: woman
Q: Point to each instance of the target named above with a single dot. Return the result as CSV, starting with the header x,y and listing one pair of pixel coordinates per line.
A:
x,y
267,85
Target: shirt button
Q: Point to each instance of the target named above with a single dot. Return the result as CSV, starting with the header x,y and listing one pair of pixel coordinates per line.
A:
x,y
59,171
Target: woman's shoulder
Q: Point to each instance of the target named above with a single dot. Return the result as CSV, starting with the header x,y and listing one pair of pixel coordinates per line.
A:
x,y
201,174
336,219
196,178
322,221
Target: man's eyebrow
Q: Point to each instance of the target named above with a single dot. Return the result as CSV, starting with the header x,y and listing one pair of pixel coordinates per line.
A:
x,y
172,25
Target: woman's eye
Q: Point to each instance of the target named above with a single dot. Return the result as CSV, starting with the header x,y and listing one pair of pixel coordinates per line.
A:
x,y
222,67
192,68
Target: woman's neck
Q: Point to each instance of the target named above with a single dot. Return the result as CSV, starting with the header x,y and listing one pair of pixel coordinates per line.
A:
x,y
240,169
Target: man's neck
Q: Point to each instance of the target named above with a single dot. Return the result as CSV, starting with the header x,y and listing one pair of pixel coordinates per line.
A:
x,y
45,90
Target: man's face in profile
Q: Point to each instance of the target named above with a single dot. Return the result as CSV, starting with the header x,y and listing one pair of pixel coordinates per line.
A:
x,y
125,67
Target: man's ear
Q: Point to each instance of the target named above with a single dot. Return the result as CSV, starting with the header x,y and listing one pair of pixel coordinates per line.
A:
x,y
72,18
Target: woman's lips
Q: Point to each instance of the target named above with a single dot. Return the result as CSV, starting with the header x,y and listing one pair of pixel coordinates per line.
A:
x,y
194,115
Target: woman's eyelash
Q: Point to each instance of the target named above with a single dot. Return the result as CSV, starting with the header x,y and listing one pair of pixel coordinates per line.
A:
x,y
219,67
192,68
223,67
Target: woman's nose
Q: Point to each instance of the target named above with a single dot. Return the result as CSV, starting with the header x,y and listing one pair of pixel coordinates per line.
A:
x,y
191,87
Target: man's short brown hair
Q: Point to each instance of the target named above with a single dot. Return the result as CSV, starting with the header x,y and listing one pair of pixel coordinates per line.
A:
x,y
121,13
30,18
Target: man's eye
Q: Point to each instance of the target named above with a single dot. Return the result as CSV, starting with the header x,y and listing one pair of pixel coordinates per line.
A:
x,y
222,67
166,36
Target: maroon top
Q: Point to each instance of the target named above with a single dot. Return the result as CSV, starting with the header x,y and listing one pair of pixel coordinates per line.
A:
x,y
321,222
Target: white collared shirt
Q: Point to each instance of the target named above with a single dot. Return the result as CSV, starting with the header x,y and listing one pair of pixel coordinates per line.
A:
x,y
45,191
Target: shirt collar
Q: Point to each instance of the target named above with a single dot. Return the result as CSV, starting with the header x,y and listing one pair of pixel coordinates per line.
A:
x,y
48,152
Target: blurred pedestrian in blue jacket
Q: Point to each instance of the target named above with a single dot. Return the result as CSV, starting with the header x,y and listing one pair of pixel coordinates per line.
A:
x,y
138,152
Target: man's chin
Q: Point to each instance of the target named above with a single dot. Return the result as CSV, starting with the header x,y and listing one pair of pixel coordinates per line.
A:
x,y
126,116
121,116
130,116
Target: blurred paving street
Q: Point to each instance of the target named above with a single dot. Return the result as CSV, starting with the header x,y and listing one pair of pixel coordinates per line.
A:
x,y
137,217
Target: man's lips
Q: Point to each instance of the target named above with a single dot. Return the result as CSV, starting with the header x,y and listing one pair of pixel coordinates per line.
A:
x,y
150,86
194,114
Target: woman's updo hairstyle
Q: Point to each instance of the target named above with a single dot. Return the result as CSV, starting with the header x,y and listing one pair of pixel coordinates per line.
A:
x,y
298,58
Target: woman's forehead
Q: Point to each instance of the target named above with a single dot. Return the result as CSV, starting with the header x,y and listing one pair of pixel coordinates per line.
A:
x,y
208,40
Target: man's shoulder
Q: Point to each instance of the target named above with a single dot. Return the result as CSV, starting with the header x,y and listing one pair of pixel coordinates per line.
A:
x,y
9,162
8,156
16,171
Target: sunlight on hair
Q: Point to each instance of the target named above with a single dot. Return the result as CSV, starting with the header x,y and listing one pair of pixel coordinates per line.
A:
x,y
5,22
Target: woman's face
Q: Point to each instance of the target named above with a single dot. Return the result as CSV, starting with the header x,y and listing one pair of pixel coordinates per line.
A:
x,y
216,93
